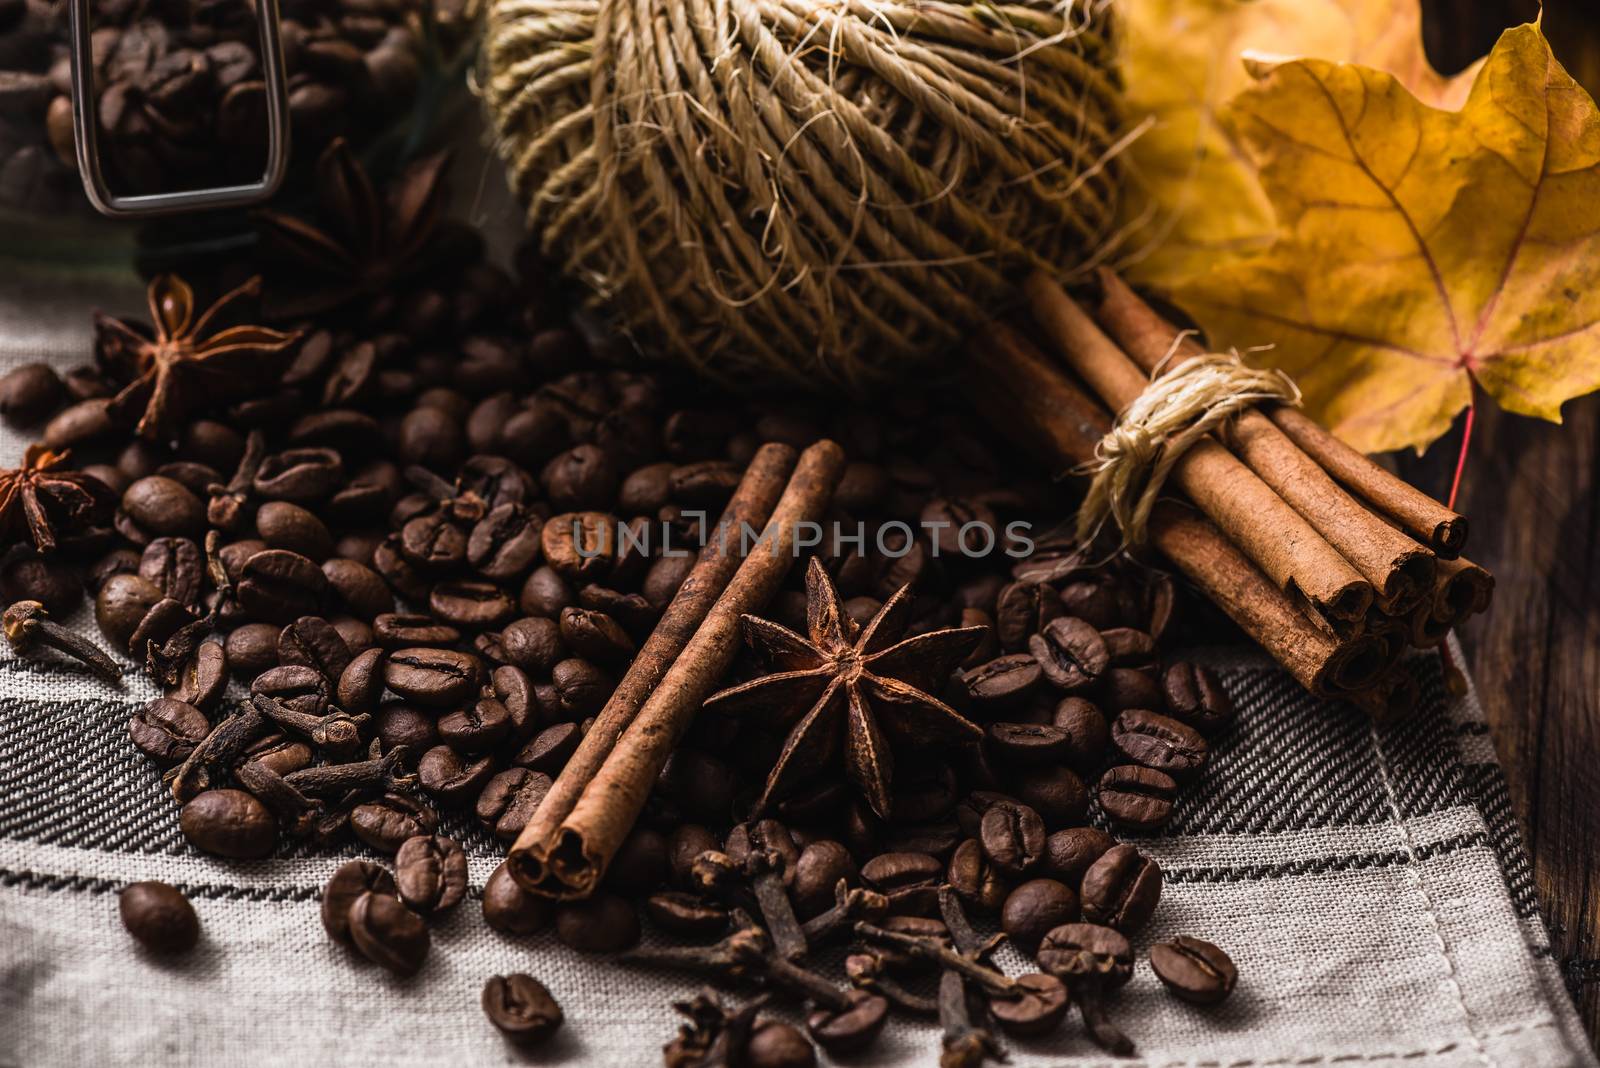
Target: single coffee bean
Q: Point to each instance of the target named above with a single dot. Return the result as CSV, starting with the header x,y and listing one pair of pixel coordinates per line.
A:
x,y
167,731
604,923
311,641
1160,742
974,879
533,644
121,606
438,678
288,526
448,776
665,576
1071,653
595,636
52,582
1028,743
850,1030
176,566
1068,853
546,593
1021,610
685,843
1035,908
303,476
1137,797
278,753
399,630
909,880
1087,951
582,689
1128,647
359,588
1056,793
1194,970
203,677
229,823
388,933
471,605
252,649
521,1007
361,683
164,506
1004,681
30,393
640,863
510,800
775,1044
348,883
278,586
1012,836
580,546
1194,696
1038,1008
303,689
516,691
386,822
767,835
477,727
684,914
505,543
1120,689
510,909
430,872
159,917
817,871
549,750
1121,889
1086,726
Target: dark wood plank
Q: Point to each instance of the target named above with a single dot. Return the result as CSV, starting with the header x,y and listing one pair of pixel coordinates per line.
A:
x,y
1530,491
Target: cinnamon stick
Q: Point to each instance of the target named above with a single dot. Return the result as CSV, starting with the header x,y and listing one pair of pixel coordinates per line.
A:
x,y
748,509
1027,395
572,861
1252,515
1463,588
1399,568
1318,661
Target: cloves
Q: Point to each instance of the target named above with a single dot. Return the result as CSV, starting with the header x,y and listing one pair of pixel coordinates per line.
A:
x,y
208,764
850,906
337,734
365,776
28,626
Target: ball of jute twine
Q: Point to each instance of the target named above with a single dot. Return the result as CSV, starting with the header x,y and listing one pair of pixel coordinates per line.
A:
x,y
819,192
1178,408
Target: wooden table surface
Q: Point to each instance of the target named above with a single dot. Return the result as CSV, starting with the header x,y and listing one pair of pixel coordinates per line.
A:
x,y
1530,493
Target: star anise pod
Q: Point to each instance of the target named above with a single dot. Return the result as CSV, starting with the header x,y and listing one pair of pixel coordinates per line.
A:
x,y
363,241
846,688
49,499
179,364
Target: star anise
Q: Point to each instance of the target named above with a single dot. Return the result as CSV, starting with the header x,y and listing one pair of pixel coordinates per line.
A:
x,y
845,686
179,364
363,241
49,499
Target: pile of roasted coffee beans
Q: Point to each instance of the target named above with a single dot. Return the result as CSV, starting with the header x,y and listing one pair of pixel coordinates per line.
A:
x,y
380,551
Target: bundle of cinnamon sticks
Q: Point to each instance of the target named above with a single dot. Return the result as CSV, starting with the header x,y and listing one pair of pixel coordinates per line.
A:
x,y
1335,566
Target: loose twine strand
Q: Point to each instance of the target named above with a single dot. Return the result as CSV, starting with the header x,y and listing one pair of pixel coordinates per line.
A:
x,y
1178,408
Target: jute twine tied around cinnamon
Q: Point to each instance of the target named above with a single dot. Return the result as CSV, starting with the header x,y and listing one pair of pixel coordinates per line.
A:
x,y
824,193
1180,407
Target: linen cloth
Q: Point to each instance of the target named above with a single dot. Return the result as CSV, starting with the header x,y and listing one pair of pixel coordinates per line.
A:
x,y
1369,881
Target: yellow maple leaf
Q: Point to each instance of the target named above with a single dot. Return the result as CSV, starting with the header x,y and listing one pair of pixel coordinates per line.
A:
x,y
1420,250
1192,192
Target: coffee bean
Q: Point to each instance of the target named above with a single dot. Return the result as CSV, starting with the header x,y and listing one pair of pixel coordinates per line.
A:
x,y
358,588
550,749
1012,836
399,630
1004,681
229,823
505,543
278,586
386,822
477,727
974,879
30,393
510,800
546,593
360,684
516,691
288,526
1086,727
582,689
1071,654
303,689
665,576
1056,793
164,506
604,923
388,933
311,641
1123,688
430,872
279,754
1193,695
1194,970
1034,908
640,863
176,566
817,871
438,678
1038,1008
521,1007
1137,797
908,880
1159,742
1068,853
1028,743
580,546
167,731
159,917
471,605
252,649
303,476
54,583
1128,647
78,424
203,677
448,776
684,844
1078,951
595,636
121,605
686,914
1121,889
1023,609
855,1028
510,909
349,882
